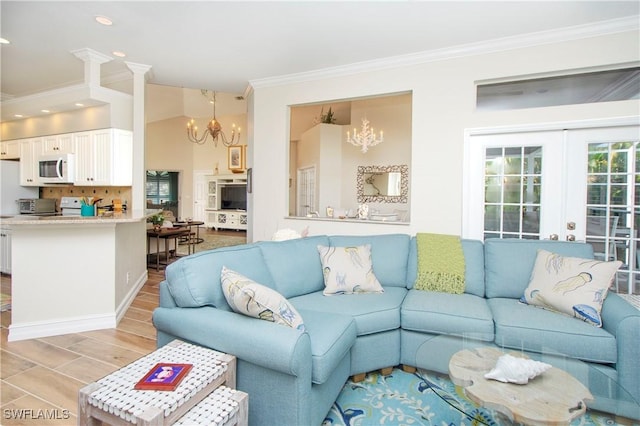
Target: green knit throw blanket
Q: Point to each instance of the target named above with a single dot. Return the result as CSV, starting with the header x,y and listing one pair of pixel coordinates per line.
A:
x,y
440,263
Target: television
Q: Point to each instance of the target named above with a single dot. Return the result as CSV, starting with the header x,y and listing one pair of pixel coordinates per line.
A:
x,y
233,197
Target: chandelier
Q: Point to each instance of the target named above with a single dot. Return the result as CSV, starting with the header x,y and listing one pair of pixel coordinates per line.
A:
x,y
213,128
366,138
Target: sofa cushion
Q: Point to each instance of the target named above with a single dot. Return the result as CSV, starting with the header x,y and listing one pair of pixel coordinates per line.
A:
x,y
247,297
509,262
295,264
332,336
348,270
373,312
389,254
446,313
194,280
524,327
473,266
571,285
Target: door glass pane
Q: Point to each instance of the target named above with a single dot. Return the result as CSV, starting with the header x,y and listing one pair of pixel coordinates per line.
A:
x,y
493,189
613,182
306,191
512,192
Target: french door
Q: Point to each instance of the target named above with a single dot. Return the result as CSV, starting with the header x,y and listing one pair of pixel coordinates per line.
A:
x,y
574,185
306,193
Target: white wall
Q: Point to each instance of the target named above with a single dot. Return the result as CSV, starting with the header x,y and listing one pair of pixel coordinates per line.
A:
x,y
443,106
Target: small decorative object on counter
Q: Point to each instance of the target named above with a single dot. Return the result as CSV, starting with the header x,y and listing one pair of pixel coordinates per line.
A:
x,y
117,205
88,206
363,211
329,211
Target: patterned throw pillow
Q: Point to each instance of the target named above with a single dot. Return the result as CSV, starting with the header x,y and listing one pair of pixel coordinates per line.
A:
x,y
247,297
570,285
348,270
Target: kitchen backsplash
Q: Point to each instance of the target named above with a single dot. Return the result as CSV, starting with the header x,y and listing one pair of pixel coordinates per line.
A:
x,y
107,193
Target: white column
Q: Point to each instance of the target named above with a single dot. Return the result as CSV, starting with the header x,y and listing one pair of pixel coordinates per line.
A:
x,y
92,61
139,82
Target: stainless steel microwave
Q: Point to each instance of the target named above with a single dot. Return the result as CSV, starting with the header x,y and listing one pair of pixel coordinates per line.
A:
x,y
57,168
37,205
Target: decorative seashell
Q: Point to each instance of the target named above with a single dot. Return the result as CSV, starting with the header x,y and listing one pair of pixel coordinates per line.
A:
x,y
511,369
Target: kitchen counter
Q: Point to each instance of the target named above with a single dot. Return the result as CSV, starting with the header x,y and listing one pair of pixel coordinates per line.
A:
x,y
71,274
26,219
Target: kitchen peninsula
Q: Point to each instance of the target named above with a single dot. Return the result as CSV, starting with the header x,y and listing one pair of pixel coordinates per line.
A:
x,y
74,273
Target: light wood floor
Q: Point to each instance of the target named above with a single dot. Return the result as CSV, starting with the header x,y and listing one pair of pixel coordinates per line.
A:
x,y
40,378
46,373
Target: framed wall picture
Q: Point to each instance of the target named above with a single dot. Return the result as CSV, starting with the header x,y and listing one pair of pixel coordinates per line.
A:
x,y
234,159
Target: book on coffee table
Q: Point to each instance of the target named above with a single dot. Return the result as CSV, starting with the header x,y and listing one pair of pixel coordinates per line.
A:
x,y
164,377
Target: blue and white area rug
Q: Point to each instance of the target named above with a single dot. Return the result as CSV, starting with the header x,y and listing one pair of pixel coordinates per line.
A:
x,y
416,399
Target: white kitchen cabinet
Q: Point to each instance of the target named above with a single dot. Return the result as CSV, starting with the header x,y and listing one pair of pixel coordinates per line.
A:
x,y
5,250
104,157
30,151
10,150
58,144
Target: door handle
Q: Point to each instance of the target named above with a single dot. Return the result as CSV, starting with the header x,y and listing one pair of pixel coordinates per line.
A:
x,y
553,237
571,237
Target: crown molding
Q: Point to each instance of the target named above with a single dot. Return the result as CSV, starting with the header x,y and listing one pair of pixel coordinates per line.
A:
x,y
613,26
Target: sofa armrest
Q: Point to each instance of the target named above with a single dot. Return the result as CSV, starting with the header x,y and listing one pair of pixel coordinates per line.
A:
x,y
166,299
259,342
623,321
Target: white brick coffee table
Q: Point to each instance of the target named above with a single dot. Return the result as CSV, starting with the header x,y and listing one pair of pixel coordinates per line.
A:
x,y
223,407
114,400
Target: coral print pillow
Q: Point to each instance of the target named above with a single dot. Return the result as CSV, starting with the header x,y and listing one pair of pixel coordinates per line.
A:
x,y
570,285
247,297
348,270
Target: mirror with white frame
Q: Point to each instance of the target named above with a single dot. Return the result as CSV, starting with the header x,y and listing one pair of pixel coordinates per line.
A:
x,y
383,184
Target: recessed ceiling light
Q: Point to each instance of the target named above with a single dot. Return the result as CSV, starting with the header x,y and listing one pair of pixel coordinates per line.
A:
x,y
104,20
4,41
18,115
119,54
78,104
45,111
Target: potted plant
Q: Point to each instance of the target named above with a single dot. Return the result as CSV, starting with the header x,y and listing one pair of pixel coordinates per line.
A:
x,y
327,118
157,220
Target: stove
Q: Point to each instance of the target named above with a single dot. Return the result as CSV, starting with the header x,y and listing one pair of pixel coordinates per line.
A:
x,y
70,206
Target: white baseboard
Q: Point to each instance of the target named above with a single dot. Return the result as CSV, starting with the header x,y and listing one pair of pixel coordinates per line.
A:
x,y
34,330
128,300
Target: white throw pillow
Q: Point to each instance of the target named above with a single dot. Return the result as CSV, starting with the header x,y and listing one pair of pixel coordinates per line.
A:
x,y
570,285
348,270
247,297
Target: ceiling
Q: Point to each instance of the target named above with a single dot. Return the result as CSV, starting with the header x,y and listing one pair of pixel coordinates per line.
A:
x,y
224,45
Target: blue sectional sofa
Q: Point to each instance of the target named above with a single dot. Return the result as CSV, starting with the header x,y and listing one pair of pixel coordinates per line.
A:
x,y
293,377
